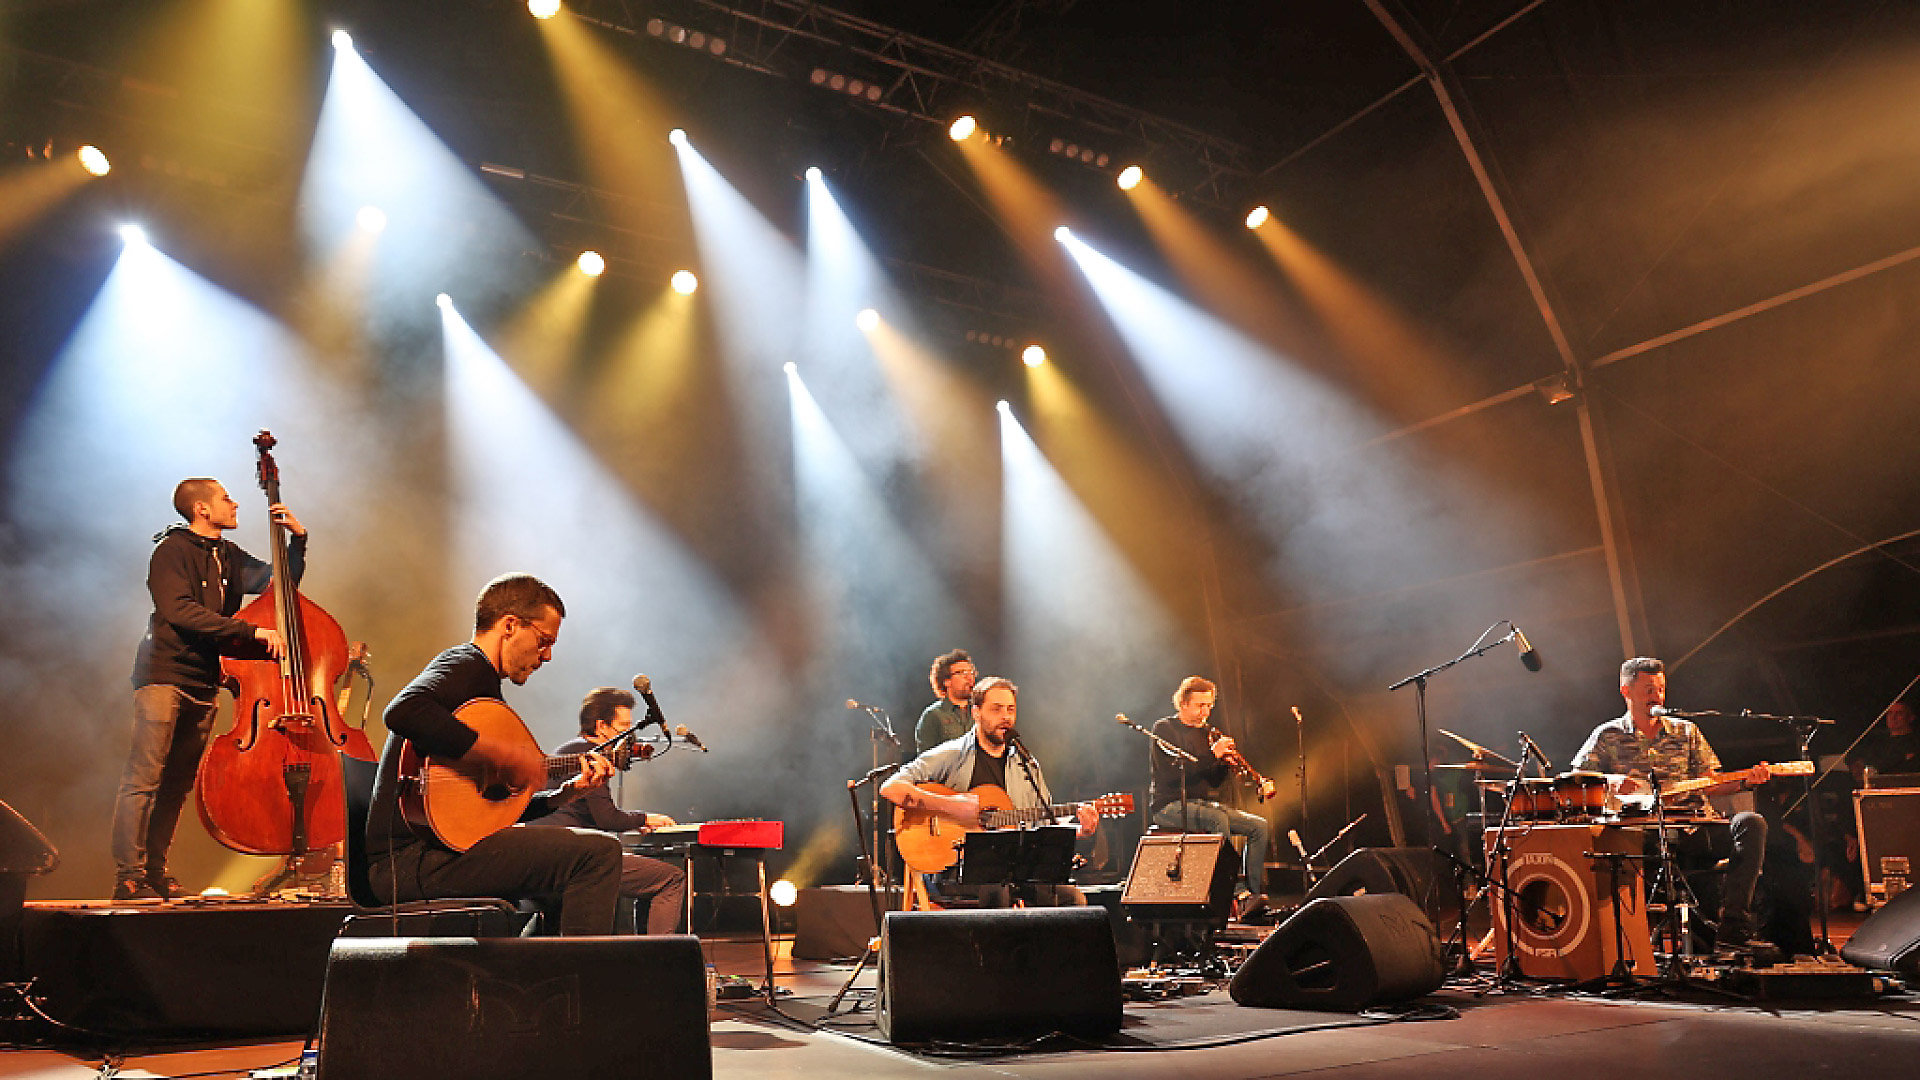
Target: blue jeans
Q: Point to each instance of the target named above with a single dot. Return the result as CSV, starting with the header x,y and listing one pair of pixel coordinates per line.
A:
x,y
1207,816
169,732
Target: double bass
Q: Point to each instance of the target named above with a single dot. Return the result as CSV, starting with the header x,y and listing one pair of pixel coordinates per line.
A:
x,y
272,784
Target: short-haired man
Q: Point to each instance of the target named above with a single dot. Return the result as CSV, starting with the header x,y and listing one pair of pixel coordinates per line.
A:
x,y
948,717
606,712
977,758
516,623
197,579
1203,812
1640,750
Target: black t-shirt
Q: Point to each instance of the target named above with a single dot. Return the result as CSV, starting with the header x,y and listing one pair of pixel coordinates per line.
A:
x,y
1202,777
988,769
422,713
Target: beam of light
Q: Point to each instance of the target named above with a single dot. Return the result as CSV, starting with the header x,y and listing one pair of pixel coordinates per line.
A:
x,y
1063,578
866,321
950,425
1283,440
1130,177
684,282
1227,282
876,603
528,495
132,235
444,229
542,339
371,219
591,263
165,376
617,121
1033,355
1027,210
962,129
543,9
649,370
239,80
342,41
1401,367
1258,216
29,192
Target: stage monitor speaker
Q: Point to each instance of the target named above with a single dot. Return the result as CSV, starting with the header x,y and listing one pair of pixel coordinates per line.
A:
x,y
1181,876
1417,873
515,1007
1343,954
23,850
1890,938
999,974
1577,915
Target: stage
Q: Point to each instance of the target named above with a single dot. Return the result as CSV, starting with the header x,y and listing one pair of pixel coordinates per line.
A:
x,y
1523,1034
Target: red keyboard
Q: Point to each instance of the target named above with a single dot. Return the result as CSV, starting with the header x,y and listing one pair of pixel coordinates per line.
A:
x,y
729,834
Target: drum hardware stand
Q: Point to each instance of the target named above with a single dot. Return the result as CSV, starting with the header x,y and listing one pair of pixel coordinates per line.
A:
x,y
1418,681
873,889
1498,863
1675,922
1804,729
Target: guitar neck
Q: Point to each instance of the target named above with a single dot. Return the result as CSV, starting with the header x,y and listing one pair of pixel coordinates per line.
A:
x,y
1017,816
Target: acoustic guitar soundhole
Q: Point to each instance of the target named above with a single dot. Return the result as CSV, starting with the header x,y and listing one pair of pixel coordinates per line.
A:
x,y
495,792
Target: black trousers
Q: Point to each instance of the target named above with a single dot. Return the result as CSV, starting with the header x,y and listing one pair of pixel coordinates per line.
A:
x,y
574,871
1743,844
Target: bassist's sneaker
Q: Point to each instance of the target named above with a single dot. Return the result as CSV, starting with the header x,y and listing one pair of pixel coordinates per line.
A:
x,y
128,888
166,885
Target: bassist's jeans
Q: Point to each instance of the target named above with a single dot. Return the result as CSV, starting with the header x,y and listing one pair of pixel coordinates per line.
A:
x,y
169,732
1207,816
577,870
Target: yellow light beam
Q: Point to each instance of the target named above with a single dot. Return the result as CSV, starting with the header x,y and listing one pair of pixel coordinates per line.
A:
x,y
542,338
27,192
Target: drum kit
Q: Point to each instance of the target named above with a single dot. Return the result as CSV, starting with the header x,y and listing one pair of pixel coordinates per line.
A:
x,y
1570,798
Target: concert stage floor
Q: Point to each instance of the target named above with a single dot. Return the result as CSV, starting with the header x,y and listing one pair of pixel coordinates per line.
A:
x,y
1520,1035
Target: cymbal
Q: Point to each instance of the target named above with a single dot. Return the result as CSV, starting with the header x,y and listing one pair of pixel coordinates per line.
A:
x,y
1475,766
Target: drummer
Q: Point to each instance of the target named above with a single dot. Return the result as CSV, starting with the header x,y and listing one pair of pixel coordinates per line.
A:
x,y
1639,749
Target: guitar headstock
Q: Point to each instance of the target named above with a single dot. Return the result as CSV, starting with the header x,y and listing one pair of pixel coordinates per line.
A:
x,y
1790,768
264,467
1114,804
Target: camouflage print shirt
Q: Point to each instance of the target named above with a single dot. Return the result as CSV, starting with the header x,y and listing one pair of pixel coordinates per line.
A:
x,y
1677,752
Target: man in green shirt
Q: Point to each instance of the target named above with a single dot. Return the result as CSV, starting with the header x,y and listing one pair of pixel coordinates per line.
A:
x,y
949,717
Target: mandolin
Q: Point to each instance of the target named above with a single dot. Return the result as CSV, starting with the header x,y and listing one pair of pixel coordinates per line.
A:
x,y
929,843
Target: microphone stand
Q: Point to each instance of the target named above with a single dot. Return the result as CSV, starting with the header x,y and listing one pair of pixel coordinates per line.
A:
x,y
1419,683
1300,737
873,891
882,728
1172,751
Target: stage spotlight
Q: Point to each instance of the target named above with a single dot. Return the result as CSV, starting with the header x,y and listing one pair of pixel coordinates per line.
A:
x,y
1130,177
790,368
813,174
684,282
445,302
543,9
783,893
1033,356
95,162
677,137
371,219
592,264
132,235
962,129
868,320
1063,234
343,41
1005,409
1257,217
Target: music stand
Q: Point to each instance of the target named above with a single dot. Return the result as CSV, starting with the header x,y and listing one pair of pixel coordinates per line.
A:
x,y
1042,855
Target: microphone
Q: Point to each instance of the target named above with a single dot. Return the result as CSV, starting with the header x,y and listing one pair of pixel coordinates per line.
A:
x,y
644,687
1535,748
1528,656
1293,835
690,738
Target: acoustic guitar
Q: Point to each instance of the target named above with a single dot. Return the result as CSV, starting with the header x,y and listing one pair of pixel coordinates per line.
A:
x,y
448,805
1641,802
930,843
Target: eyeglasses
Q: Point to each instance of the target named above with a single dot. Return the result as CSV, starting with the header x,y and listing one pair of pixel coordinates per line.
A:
x,y
546,639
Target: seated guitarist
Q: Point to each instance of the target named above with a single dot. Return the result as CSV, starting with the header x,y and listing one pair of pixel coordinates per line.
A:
x,y
1641,749
976,759
515,625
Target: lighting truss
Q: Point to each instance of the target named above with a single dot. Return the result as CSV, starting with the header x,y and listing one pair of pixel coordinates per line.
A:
x,y
924,80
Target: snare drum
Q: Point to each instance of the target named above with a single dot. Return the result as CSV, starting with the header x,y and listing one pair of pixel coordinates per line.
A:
x,y
1580,795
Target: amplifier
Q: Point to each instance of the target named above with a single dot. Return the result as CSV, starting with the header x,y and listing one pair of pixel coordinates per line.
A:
x,y
1889,824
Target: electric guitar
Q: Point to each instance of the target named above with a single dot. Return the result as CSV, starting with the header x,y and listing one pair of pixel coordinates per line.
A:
x,y
1641,802
930,843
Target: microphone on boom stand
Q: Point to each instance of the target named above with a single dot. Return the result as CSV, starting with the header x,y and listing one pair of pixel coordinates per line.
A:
x,y
644,687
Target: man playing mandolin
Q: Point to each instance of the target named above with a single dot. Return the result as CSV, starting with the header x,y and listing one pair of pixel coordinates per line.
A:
x,y
1642,749
979,759
516,623
1189,730
197,579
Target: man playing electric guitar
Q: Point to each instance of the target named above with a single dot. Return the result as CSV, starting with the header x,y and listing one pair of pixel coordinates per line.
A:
x,y
1642,748
516,623
977,759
